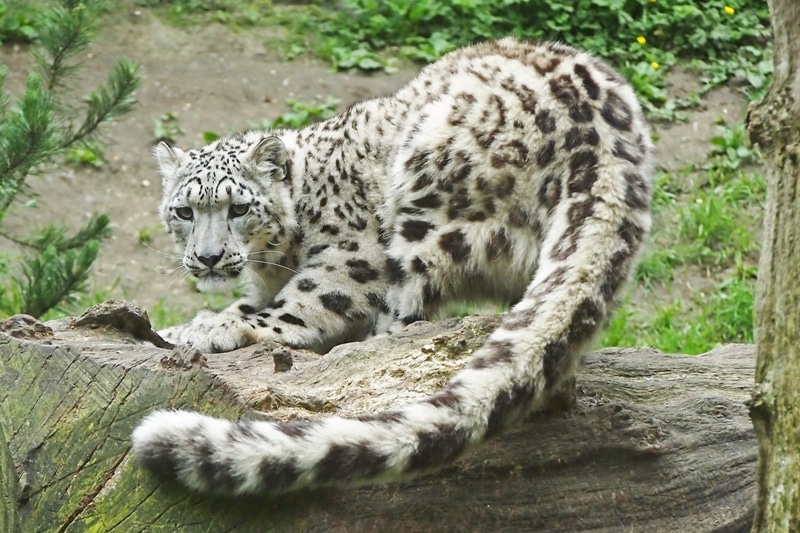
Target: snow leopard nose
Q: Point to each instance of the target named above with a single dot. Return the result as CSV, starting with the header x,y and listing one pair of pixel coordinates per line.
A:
x,y
210,260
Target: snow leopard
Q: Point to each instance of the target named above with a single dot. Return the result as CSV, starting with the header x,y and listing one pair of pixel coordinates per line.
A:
x,y
514,170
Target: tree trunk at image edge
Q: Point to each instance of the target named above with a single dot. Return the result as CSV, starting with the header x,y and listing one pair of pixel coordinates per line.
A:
x,y
774,125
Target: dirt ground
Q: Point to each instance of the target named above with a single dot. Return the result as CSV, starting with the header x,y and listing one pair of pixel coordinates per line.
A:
x,y
218,80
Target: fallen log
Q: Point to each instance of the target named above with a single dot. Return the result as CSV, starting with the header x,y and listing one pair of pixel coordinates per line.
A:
x,y
644,442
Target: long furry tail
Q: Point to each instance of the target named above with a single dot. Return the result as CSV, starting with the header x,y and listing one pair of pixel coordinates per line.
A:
x,y
588,254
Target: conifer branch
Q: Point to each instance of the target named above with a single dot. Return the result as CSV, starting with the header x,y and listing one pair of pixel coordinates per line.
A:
x,y
56,266
64,33
113,98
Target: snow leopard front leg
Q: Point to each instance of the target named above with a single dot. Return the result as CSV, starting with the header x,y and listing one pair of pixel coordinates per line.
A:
x,y
333,298
223,331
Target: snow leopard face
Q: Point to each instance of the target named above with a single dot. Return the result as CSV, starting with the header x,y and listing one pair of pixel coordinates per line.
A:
x,y
226,205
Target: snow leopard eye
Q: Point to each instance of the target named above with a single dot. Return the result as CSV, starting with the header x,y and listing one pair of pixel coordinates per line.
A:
x,y
239,210
184,213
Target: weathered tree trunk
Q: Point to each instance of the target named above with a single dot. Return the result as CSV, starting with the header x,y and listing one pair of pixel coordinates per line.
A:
x,y
8,518
775,126
652,443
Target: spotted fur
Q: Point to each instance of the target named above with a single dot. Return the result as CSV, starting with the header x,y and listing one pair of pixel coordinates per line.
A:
x,y
511,170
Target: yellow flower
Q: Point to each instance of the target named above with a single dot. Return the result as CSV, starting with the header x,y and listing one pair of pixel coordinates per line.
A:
x,y
655,65
729,10
641,40
652,1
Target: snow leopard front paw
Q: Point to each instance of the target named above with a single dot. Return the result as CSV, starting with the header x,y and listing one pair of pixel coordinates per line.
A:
x,y
172,334
211,332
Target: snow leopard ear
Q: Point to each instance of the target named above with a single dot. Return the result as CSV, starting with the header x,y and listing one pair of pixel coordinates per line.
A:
x,y
169,160
269,151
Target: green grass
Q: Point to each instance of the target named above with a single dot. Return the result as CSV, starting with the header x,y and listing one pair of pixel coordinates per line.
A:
x,y
722,315
704,247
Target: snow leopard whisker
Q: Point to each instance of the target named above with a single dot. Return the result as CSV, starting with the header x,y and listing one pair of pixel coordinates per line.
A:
x,y
269,263
266,252
255,275
177,268
166,254
181,275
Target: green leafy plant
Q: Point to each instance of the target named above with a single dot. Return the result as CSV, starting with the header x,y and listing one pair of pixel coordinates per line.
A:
x,y
210,136
38,127
87,153
647,81
18,21
298,115
145,235
360,59
239,13
642,37
301,114
731,148
166,127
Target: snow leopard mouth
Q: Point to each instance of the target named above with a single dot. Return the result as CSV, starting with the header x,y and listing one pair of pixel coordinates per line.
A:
x,y
217,280
223,274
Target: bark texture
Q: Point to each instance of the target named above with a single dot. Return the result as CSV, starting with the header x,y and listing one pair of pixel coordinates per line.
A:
x,y
774,125
8,518
646,442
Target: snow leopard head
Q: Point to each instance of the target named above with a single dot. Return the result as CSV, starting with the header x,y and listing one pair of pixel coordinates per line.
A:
x,y
226,204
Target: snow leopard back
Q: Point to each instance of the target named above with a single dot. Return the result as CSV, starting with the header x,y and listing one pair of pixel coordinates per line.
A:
x,y
512,170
